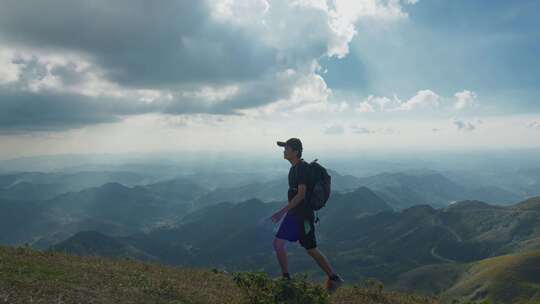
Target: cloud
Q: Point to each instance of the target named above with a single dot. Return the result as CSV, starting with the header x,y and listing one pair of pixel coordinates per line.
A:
x,y
335,128
309,94
359,129
330,25
365,107
8,69
345,14
41,87
534,125
49,111
171,55
218,57
322,107
422,99
377,102
233,100
461,125
69,75
139,43
464,99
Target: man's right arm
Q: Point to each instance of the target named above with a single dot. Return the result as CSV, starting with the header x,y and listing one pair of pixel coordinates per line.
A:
x,y
277,216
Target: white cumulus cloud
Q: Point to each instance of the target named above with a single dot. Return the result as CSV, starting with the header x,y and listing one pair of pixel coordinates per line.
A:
x,y
464,99
422,99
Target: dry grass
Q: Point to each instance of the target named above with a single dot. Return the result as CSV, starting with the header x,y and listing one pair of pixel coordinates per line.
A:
x,y
352,295
30,276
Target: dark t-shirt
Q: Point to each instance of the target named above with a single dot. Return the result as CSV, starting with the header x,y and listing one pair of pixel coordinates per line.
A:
x,y
298,175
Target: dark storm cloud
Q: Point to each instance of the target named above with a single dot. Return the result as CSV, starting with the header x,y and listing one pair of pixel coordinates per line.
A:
x,y
140,43
22,111
48,109
257,94
68,74
171,46
250,95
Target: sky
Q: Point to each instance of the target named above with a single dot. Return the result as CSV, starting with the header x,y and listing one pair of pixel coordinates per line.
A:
x,y
221,75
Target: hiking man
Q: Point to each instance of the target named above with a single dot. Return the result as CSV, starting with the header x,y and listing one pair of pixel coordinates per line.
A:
x,y
298,224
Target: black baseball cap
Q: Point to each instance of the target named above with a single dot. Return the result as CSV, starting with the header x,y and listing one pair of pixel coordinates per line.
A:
x,y
294,143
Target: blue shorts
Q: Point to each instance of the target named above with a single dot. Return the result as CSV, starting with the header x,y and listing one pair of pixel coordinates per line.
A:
x,y
294,229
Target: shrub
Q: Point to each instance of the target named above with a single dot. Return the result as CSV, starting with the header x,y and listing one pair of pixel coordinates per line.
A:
x,y
261,289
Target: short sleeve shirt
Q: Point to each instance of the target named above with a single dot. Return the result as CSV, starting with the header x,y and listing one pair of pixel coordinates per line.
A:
x,y
298,175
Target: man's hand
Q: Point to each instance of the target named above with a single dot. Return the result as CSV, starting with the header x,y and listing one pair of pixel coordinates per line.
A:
x,y
276,217
300,195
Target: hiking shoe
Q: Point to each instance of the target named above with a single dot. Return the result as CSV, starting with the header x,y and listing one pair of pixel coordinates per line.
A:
x,y
333,284
286,278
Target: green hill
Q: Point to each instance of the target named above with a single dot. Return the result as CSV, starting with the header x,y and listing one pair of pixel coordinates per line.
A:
x,y
31,276
95,243
511,278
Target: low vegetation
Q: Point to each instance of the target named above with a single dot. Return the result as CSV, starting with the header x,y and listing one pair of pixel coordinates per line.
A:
x,y
31,276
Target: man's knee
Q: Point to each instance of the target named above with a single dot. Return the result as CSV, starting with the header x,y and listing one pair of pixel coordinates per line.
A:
x,y
279,244
313,251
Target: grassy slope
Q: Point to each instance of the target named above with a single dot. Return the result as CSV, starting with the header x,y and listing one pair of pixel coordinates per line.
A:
x,y
511,278
430,279
28,275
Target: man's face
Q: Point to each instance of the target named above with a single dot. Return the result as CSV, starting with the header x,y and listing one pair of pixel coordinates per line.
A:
x,y
288,153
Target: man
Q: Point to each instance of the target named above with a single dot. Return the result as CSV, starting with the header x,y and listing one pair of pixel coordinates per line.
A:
x,y
298,224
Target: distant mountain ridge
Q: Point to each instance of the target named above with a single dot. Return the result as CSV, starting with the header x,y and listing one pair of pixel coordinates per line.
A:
x,y
98,244
463,232
405,189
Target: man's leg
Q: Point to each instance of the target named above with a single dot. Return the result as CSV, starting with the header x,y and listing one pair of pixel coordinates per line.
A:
x,y
309,242
279,247
334,281
321,260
